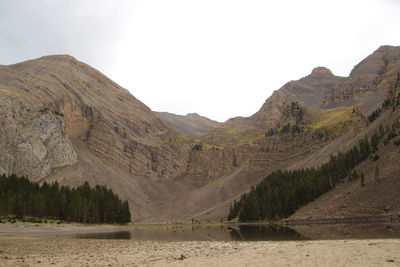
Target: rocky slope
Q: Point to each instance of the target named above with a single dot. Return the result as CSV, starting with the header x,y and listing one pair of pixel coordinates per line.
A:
x,y
64,121
92,111
369,82
308,91
378,195
192,123
327,126
61,116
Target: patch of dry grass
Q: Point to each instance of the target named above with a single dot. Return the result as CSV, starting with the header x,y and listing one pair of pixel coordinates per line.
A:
x,y
332,117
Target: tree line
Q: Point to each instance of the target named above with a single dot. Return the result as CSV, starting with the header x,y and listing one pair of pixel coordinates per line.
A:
x,y
281,193
393,101
21,197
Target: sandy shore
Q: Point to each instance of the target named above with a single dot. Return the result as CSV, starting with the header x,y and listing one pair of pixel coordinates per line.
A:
x,y
49,245
61,251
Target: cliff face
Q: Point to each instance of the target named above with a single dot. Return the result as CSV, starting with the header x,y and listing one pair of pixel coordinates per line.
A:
x,y
369,82
308,91
33,140
85,108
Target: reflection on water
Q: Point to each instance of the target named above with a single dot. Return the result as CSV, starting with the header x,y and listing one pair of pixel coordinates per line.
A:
x,y
251,232
264,233
107,235
197,233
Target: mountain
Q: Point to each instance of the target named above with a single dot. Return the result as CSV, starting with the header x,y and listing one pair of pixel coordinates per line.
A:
x,y
88,109
64,121
300,127
192,123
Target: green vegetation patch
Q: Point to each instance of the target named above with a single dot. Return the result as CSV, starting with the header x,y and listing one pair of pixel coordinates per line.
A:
x,y
332,118
181,139
239,137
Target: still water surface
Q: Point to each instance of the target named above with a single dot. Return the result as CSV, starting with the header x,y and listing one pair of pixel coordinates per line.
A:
x,y
197,233
250,233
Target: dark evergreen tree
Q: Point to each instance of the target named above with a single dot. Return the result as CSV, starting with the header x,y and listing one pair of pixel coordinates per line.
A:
x,y
281,193
21,197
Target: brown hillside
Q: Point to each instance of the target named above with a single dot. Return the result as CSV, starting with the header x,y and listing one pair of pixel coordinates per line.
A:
x,y
192,123
63,120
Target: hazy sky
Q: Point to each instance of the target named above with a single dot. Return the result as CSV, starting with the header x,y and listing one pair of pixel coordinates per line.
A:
x,y
219,58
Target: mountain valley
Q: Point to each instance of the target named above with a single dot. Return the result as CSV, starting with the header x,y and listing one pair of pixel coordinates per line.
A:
x,y
62,120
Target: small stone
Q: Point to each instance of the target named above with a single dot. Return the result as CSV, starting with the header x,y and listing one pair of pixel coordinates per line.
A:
x,y
389,260
181,258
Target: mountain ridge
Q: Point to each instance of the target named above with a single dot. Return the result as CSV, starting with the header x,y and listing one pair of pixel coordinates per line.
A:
x,y
191,123
65,121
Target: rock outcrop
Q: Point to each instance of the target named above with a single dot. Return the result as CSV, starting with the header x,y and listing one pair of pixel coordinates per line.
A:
x,y
309,91
33,139
369,82
90,110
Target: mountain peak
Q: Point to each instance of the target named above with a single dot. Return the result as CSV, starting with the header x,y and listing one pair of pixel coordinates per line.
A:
x,y
385,48
321,71
193,115
378,61
191,123
64,57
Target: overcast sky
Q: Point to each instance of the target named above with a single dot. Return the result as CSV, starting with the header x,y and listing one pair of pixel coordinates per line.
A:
x,y
218,58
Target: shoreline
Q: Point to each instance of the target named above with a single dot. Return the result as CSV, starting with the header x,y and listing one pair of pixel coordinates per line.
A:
x,y
206,232
27,244
59,251
381,218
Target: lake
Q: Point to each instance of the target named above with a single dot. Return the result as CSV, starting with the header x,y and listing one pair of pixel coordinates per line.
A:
x,y
250,232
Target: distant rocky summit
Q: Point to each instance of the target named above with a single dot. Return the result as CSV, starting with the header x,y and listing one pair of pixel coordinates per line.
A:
x,y
192,123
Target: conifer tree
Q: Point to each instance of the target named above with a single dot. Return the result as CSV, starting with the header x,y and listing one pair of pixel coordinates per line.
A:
x,y
281,193
21,197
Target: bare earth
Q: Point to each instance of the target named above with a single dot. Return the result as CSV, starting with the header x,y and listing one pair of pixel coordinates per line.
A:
x,y
30,248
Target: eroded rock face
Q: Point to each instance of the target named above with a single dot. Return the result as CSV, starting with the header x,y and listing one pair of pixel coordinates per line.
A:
x,y
369,82
206,166
33,140
368,85
92,111
309,91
